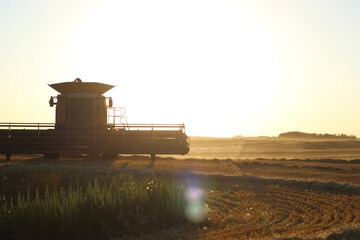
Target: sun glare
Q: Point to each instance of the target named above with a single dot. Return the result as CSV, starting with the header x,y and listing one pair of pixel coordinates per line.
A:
x,y
176,64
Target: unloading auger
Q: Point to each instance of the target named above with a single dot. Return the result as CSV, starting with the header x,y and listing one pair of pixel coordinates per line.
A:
x,y
87,123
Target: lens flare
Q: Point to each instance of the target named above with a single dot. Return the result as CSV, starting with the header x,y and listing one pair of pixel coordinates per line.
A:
x,y
195,208
195,212
194,194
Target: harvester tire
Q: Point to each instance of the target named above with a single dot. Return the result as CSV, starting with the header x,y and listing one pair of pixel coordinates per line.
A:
x,y
55,156
109,156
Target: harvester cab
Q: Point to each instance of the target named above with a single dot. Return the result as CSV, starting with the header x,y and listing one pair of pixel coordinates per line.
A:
x,y
81,105
87,123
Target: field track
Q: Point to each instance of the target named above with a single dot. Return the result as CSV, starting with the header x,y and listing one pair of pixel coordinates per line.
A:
x,y
280,211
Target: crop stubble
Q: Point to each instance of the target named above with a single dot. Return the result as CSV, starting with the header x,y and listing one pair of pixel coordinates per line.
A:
x,y
260,198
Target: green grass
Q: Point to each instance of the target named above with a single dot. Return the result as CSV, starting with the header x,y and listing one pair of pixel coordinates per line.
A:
x,y
40,203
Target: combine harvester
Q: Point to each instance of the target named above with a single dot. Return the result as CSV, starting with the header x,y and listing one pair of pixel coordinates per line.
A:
x,y
87,123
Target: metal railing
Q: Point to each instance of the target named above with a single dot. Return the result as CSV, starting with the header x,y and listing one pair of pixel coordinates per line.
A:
x,y
116,115
10,125
135,126
142,126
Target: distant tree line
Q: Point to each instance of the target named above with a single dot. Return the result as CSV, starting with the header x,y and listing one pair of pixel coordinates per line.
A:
x,y
296,134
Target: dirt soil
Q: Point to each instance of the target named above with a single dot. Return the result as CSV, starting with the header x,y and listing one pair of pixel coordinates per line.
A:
x,y
255,188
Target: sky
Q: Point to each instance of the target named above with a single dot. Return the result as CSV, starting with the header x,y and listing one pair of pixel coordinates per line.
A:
x,y
222,67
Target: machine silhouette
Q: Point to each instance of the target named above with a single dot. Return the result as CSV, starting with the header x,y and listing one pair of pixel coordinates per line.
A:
x,y
87,123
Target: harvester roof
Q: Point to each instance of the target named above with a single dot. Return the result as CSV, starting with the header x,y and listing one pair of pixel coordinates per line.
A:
x,y
81,87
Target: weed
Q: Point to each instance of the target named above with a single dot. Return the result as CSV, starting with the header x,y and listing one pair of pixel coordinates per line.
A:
x,y
42,203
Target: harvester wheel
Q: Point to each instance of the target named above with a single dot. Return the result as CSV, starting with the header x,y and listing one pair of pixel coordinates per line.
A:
x,y
52,155
109,156
94,156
